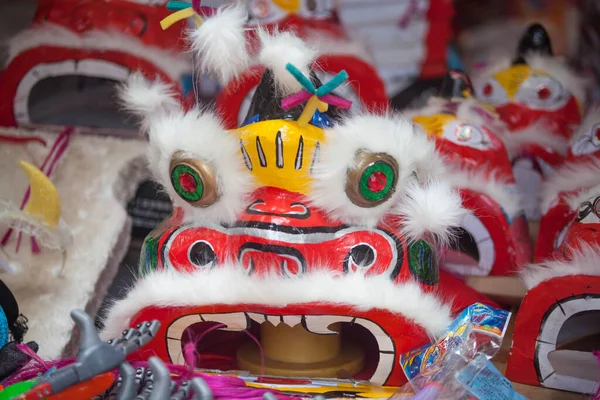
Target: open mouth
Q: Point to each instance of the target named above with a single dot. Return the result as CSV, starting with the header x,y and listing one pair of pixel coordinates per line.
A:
x,y
570,334
529,173
71,92
472,251
293,345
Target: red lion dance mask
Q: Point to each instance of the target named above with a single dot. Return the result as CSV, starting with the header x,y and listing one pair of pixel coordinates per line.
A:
x,y
493,239
540,99
302,234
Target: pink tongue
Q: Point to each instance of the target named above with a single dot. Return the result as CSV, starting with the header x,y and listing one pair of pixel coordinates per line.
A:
x,y
520,232
452,256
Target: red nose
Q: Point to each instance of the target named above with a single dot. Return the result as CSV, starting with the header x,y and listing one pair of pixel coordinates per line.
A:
x,y
516,116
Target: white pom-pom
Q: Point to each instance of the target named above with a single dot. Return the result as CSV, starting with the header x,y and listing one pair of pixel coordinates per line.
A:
x,y
430,210
146,99
282,48
220,43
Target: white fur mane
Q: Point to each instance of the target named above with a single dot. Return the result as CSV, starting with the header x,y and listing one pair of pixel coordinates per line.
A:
x,y
47,34
219,43
569,177
575,200
538,133
200,135
230,285
281,48
496,187
584,262
415,199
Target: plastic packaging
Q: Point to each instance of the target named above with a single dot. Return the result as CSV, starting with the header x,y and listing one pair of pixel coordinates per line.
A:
x,y
456,366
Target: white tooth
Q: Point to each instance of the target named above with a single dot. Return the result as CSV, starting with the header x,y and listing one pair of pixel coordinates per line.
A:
x,y
102,69
384,368
260,318
319,324
174,334
233,321
383,340
292,320
274,319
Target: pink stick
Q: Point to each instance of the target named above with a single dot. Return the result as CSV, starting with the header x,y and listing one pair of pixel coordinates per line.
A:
x,y
64,135
295,99
35,249
336,101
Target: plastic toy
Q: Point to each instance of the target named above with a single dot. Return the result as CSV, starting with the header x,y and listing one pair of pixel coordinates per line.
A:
x,y
580,172
95,40
13,327
556,328
313,238
541,100
493,239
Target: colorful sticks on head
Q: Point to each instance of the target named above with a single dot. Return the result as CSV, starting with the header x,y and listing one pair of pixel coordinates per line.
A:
x,y
315,98
185,10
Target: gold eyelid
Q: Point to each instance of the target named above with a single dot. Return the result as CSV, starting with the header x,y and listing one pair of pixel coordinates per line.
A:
x,y
207,174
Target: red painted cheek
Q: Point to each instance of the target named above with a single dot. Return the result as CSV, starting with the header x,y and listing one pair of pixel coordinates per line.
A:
x,y
494,160
561,122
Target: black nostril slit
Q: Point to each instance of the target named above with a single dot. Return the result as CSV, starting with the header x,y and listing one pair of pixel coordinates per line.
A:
x,y
202,254
362,255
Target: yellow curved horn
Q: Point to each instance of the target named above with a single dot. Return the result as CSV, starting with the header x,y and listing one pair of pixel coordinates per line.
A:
x,y
43,197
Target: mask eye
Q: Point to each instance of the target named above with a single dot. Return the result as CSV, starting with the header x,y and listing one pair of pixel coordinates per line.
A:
x,y
263,12
597,207
318,9
373,180
467,135
193,180
541,92
585,209
493,93
587,143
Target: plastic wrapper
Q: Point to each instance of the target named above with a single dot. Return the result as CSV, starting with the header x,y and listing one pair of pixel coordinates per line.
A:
x,y
457,365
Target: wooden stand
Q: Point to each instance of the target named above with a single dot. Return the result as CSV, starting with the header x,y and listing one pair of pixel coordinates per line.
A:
x,y
295,352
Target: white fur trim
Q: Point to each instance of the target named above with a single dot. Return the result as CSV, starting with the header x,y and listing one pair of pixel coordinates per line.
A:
x,y
230,285
432,209
145,99
220,43
569,177
575,201
377,134
171,63
199,135
280,49
584,262
539,133
497,188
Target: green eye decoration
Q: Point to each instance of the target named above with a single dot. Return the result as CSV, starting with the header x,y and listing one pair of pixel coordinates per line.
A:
x,y
373,180
423,263
377,181
187,183
193,180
